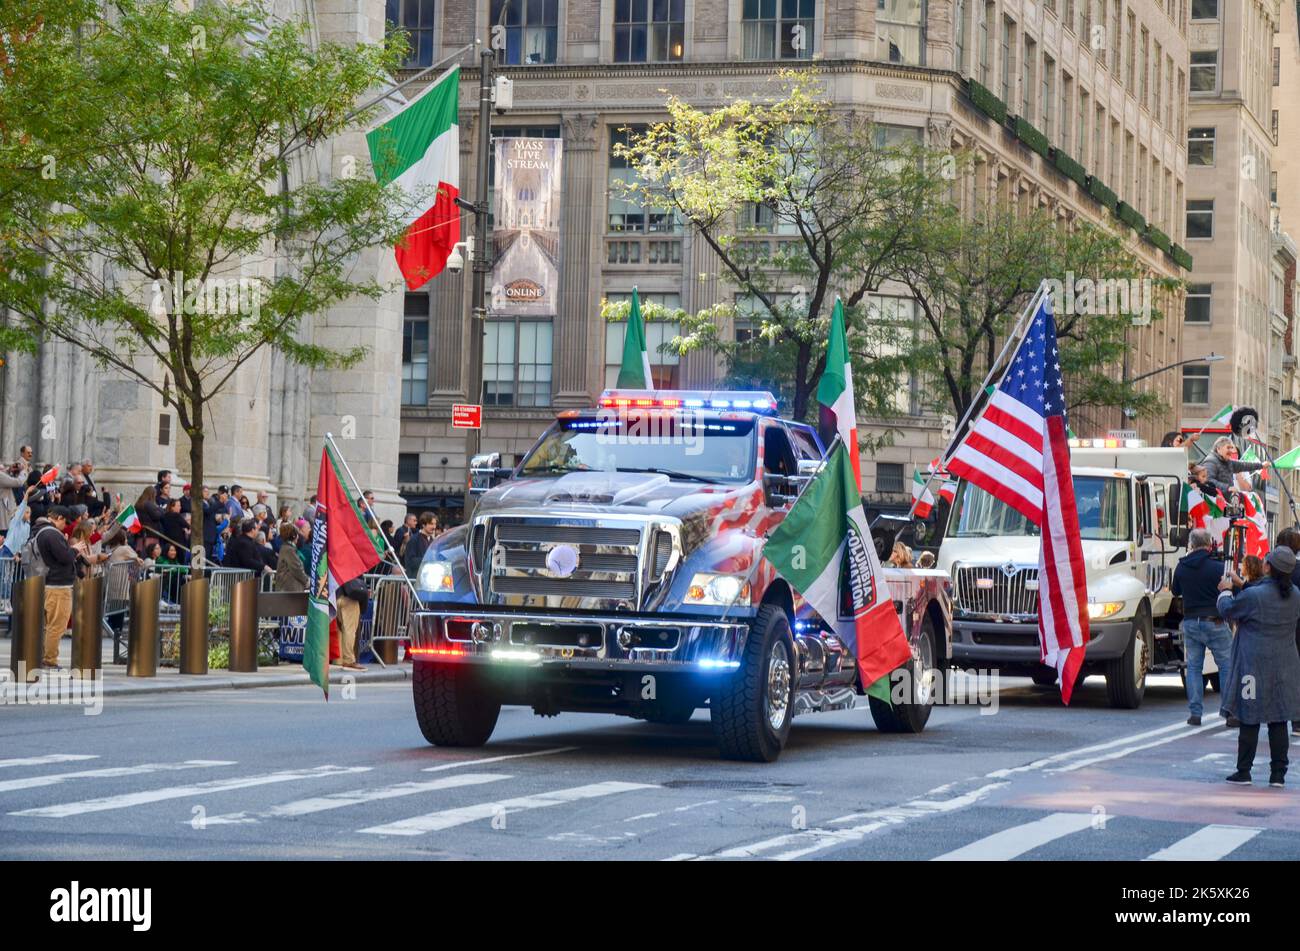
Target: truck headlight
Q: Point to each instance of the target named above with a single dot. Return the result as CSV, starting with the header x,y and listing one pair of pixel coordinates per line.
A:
x,y
434,576
721,590
1104,609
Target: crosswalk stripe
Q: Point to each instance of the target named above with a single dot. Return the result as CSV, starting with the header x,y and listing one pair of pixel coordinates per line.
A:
x,y
54,779
126,800
1128,750
354,797
448,818
1009,843
43,760
1209,844
497,759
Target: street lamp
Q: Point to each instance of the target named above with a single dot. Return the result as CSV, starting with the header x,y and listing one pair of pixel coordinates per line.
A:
x,y
1129,413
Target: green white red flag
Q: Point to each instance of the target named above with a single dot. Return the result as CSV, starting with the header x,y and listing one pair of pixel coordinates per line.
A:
x,y
342,549
922,497
1288,460
418,151
823,548
635,374
1256,524
129,520
1205,512
838,414
1223,417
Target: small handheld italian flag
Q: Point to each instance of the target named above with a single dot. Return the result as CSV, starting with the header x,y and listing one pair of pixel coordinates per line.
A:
x,y
922,497
823,547
1257,524
635,374
129,520
418,150
1205,512
1222,418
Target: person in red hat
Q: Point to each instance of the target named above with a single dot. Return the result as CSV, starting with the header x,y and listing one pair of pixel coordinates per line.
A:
x,y
185,500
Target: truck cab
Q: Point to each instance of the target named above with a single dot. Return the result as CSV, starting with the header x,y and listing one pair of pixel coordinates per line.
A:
x,y
1128,497
618,568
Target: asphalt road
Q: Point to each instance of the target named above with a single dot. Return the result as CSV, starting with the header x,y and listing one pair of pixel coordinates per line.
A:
x,y
277,773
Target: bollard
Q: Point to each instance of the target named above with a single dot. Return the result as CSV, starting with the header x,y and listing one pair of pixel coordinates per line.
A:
x,y
27,626
243,627
142,638
87,619
194,626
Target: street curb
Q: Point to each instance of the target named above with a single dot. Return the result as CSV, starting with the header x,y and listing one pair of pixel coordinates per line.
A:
x,y
204,682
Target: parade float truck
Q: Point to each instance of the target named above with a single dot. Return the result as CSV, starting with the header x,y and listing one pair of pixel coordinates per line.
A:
x,y
1129,500
618,569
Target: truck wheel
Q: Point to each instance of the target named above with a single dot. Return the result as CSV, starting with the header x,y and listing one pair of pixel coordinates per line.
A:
x,y
751,710
1126,675
911,715
453,704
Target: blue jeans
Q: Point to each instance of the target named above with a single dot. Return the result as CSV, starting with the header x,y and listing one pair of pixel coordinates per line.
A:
x,y
1199,634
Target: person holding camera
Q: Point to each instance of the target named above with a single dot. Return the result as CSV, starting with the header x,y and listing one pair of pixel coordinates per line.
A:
x,y
1265,682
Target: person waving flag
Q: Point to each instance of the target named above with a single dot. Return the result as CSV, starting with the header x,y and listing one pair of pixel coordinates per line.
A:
x,y
1017,451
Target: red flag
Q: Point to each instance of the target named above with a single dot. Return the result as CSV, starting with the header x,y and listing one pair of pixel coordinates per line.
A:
x,y
50,476
350,551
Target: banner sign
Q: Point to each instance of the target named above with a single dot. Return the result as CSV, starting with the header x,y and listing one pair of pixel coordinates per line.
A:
x,y
526,230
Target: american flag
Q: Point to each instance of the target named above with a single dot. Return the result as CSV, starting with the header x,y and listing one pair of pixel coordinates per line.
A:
x,y
1018,453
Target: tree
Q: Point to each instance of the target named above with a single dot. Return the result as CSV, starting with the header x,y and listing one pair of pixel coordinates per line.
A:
x,y
799,202
972,276
151,214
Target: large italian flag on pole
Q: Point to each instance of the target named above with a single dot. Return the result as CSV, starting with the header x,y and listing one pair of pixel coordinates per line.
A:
x,y
342,549
419,150
634,374
835,393
824,543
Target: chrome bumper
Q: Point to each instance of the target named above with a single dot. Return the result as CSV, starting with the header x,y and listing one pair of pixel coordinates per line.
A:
x,y
593,642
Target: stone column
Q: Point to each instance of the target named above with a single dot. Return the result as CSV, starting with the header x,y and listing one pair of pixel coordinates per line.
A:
x,y
577,322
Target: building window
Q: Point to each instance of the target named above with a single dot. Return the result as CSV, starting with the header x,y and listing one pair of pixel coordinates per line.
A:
x,y
1277,66
649,31
1113,38
1200,218
778,29
1048,95
986,14
1027,80
1205,9
417,18
664,363
625,214
408,468
1205,70
165,429
517,363
1008,38
415,350
1197,309
531,30
1196,385
900,31
889,477
1274,126
960,14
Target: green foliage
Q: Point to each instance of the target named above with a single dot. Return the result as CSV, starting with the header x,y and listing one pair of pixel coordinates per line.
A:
x,y
987,102
219,656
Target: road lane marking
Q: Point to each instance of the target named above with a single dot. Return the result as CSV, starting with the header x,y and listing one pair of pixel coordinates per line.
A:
x,y
1070,754
1010,843
112,772
43,760
127,800
807,841
1206,845
354,797
1118,754
449,818
497,759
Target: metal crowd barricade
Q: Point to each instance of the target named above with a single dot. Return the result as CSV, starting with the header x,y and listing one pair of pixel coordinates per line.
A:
x,y
171,578
11,570
221,585
387,615
118,578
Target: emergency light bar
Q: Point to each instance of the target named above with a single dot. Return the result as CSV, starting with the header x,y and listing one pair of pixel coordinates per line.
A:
x,y
1108,443
754,401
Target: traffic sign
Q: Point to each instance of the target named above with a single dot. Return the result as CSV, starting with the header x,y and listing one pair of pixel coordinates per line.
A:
x,y
466,416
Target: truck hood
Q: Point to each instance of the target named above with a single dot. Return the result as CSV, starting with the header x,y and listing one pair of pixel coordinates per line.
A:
x,y
1017,550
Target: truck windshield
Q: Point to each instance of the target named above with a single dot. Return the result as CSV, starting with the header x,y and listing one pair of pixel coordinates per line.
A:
x,y
1105,513
685,448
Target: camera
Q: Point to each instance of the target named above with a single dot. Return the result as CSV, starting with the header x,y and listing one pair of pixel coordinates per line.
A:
x,y
455,261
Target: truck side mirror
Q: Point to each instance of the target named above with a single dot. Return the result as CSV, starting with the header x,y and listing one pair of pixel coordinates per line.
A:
x,y
1178,536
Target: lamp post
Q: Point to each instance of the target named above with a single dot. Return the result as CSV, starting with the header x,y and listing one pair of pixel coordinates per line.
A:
x,y
1127,413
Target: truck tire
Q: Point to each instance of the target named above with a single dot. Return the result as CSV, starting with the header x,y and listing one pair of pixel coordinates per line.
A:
x,y
751,710
912,715
1126,675
453,704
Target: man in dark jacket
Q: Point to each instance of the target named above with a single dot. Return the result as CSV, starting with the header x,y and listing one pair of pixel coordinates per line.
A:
x,y
244,551
1222,466
419,543
1196,581
60,571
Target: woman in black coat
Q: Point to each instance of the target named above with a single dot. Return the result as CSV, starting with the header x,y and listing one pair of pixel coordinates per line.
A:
x,y
150,514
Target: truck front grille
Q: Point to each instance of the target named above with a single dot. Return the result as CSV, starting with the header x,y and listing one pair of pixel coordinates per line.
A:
x,y
988,591
514,568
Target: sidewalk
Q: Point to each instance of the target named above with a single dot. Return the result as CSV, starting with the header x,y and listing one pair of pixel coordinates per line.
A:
x,y
169,680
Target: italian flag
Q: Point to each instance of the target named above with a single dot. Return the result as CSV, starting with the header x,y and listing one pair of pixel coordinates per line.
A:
x,y
948,491
1252,455
418,151
635,374
1257,524
1289,460
1204,512
342,549
823,548
1222,418
922,497
129,520
835,393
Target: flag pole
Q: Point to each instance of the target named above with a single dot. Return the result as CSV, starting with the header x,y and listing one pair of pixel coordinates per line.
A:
x,y
348,469
993,369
